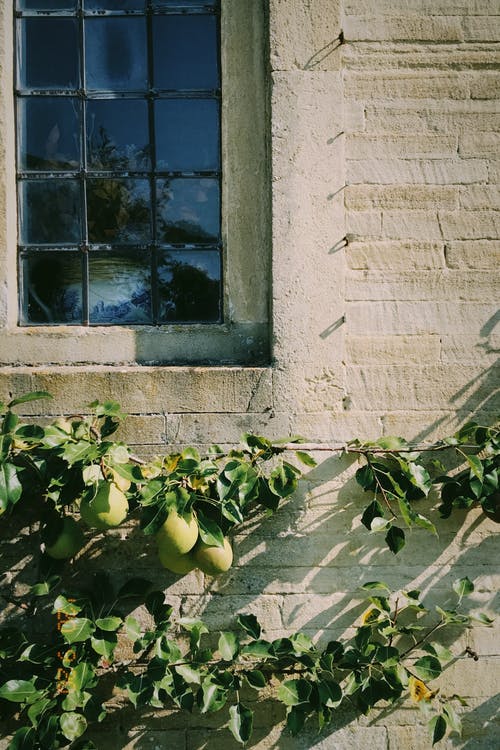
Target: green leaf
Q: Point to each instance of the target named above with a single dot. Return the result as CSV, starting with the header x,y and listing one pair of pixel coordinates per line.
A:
x,y
463,587
452,718
33,396
77,630
365,478
23,739
295,719
424,523
391,443
240,722
228,645
18,691
330,693
10,486
437,726
250,625
212,697
371,585
256,679
427,668
210,532
483,619
37,709
195,628
66,606
73,725
294,692
132,628
306,458
258,648
395,539
134,587
189,673
109,623
11,641
45,587
372,511
476,467
105,646
82,676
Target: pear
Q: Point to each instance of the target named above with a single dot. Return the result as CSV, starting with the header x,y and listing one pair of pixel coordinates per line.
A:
x,y
178,534
180,564
213,560
107,509
122,483
68,543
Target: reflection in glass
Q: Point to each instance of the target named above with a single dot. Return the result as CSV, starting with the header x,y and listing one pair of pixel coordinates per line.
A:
x,y
185,52
183,3
120,288
49,137
114,5
117,134
49,211
189,286
187,134
46,4
118,210
188,210
49,53
115,50
52,287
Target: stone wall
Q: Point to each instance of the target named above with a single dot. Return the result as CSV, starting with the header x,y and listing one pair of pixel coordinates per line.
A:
x,y
385,256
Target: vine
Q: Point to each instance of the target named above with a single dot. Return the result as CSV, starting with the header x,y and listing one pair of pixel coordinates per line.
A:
x,y
55,686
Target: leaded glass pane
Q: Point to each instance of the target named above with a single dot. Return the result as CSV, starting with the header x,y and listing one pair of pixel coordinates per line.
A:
x,y
49,56
46,4
118,5
188,210
52,287
116,54
189,286
187,134
118,211
119,288
185,52
49,138
117,134
50,212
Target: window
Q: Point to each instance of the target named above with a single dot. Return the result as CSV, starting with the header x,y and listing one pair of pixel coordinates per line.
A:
x,y
233,209
118,162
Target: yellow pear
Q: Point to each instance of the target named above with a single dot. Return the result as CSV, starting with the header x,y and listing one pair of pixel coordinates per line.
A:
x,y
68,543
179,564
213,560
178,534
107,509
122,483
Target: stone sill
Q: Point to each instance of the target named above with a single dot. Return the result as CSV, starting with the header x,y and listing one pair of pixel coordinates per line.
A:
x,y
141,389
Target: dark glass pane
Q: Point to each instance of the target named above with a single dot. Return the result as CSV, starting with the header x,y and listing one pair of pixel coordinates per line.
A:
x,y
120,288
49,133
115,54
118,211
185,52
188,210
117,134
46,4
184,3
189,286
52,285
114,4
49,211
49,53
187,134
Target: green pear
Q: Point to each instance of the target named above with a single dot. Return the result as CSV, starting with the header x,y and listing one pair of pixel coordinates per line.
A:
x,y
180,564
213,560
107,509
68,543
178,534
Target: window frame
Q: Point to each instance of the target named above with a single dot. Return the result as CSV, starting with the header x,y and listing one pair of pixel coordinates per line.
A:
x,y
243,335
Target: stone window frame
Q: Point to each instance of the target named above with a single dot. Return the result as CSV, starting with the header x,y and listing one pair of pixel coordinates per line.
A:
x,y
243,338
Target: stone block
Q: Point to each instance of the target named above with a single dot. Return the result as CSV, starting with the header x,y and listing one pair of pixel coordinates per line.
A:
x,y
404,85
221,428
400,255
424,285
479,144
482,28
364,224
487,86
397,146
410,7
474,225
427,172
363,197
392,349
390,119
468,349
408,28
474,254
304,36
480,197
411,224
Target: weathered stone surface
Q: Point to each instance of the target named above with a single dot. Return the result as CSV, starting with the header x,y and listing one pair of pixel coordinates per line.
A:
x,y
473,254
418,317
395,255
404,27
481,286
391,85
427,172
393,349
363,197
